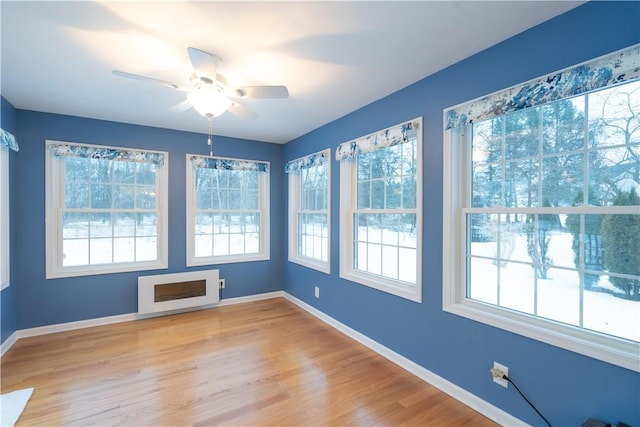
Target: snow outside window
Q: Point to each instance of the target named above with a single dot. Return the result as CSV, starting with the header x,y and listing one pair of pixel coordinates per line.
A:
x,y
381,210
227,210
309,208
106,209
542,222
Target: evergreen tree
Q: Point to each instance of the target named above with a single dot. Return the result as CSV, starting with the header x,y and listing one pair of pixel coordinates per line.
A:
x,y
592,238
622,245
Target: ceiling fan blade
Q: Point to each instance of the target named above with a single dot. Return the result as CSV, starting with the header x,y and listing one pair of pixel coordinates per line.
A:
x,y
241,111
181,106
262,92
204,64
145,79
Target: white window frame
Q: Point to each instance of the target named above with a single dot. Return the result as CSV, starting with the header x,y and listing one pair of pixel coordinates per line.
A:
x,y
456,155
54,172
5,230
264,209
348,205
295,193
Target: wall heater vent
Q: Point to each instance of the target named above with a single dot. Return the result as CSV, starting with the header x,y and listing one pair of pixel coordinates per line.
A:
x,y
166,292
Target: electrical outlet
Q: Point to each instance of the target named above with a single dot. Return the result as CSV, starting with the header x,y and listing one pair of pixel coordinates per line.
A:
x,y
497,372
222,283
317,292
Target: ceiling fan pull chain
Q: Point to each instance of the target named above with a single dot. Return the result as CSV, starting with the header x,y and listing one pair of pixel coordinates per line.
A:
x,y
210,139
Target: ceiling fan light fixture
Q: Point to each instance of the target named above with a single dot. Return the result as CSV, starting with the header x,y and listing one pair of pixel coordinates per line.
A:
x,y
209,93
209,101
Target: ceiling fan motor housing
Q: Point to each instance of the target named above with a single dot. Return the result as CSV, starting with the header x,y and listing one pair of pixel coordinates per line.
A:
x,y
209,93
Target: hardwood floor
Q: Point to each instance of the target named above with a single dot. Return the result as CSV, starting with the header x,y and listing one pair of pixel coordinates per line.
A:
x,y
260,363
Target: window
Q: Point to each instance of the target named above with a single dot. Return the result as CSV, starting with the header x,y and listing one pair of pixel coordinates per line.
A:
x,y
106,209
4,214
227,210
309,207
7,142
542,220
381,210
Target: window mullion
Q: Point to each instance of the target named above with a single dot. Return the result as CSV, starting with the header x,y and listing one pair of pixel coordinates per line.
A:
x,y
375,236
585,158
581,267
353,210
498,260
585,201
503,163
536,225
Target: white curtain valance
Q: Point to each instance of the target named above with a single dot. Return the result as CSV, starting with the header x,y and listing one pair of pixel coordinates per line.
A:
x,y
617,67
393,135
6,138
103,153
306,162
228,164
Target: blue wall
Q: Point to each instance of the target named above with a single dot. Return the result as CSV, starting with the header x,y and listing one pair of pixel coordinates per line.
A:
x,y
8,298
45,302
567,387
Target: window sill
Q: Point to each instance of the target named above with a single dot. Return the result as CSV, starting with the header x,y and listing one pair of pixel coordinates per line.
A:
x,y
94,270
194,262
323,267
397,288
603,347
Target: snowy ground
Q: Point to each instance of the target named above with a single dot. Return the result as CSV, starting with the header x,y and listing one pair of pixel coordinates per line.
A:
x,y
558,297
392,254
132,241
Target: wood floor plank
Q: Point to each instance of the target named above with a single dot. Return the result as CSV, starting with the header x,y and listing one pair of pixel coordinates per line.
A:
x,y
264,363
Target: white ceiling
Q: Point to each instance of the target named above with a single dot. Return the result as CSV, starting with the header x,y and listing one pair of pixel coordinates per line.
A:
x,y
334,57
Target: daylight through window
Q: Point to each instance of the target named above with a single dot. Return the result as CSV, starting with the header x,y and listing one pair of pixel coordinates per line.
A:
x,y
381,210
106,209
309,207
554,222
227,210
549,202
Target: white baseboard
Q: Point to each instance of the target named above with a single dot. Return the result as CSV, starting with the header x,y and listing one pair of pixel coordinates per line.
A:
x,y
250,298
496,414
471,400
79,324
100,321
8,343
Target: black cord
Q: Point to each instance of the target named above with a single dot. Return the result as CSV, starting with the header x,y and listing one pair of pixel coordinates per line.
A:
x,y
504,377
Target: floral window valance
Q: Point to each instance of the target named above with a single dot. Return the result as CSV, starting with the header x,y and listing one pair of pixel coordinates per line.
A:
x,y
103,153
394,135
618,67
9,140
228,164
307,162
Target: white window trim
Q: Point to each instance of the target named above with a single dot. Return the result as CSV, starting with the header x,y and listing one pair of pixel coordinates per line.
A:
x,y
294,203
264,207
603,347
5,230
53,242
348,194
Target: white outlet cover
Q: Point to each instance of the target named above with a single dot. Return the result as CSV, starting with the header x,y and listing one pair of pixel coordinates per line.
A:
x,y
317,292
504,383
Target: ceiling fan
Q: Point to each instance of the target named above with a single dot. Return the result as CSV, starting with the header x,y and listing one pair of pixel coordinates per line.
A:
x,y
208,92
